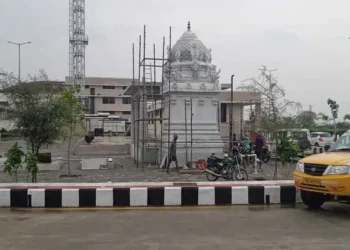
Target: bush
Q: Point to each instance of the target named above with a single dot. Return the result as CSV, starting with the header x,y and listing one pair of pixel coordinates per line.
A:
x,y
32,166
13,162
287,150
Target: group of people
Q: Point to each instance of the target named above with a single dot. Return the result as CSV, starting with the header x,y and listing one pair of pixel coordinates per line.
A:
x,y
247,143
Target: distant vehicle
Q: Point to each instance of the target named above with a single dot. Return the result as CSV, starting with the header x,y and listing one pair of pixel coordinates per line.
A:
x,y
294,134
321,139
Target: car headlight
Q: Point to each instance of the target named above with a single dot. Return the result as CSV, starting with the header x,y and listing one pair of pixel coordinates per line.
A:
x,y
335,170
300,167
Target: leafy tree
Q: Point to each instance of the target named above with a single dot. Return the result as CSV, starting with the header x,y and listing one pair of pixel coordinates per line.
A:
x,y
287,151
274,105
346,117
334,111
31,166
334,108
74,115
13,162
36,111
323,117
306,119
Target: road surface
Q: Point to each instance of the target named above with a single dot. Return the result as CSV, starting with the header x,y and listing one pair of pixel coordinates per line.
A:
x,y
237,227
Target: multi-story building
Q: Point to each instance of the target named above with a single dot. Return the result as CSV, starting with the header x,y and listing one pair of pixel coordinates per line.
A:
x,y
106,95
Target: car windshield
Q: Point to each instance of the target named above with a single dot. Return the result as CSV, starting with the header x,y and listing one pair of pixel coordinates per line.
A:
x,y
342,144
298,134
325,135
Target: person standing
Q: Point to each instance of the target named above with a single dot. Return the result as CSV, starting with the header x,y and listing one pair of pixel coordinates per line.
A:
x,y
234,140
172,152
259,146
246,141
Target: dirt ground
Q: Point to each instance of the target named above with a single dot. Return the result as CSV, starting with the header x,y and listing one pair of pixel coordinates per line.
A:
x,y
128,173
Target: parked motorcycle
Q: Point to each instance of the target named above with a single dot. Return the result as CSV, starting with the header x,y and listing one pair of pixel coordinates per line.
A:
x,y
227,168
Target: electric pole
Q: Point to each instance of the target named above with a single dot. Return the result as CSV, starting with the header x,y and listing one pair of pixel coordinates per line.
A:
x,y
19,57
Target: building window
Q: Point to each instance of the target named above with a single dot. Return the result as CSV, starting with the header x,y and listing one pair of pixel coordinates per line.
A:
x,y
87,86
126,100
108,87
108,100
223,112
124,87
126,112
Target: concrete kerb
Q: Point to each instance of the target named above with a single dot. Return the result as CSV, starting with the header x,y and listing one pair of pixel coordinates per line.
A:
x,y
57,195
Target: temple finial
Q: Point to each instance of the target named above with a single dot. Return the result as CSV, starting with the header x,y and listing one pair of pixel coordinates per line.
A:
x,y
188,25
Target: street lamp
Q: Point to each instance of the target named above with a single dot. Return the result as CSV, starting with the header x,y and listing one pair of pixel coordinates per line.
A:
x,y
19,57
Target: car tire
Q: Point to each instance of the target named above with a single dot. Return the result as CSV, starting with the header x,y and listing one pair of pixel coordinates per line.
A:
x,y
312,200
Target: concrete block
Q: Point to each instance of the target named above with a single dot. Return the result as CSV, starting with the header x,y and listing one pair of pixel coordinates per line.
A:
x,y
92,163
172,196
5,198
38,197
104,197
274,192
240,195
138,196
70,197
206,196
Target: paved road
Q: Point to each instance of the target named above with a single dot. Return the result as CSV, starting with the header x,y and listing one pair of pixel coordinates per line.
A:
x,y
198,228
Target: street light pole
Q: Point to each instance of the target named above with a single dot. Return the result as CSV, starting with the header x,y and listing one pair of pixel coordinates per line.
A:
x,y
231,116
19,57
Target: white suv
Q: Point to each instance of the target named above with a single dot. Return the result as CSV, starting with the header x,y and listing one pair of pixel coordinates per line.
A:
x,y
321,139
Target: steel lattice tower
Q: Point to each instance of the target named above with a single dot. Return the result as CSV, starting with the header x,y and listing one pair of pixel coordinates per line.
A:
x,y
77,43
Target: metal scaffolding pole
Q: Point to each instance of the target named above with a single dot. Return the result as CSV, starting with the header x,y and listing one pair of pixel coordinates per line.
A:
x,y
149,93
133,102
162,104
144,102
138,107
169,100
191,130
186,130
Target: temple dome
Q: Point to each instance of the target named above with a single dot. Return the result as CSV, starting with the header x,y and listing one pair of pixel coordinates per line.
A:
x,y
190,62
189,46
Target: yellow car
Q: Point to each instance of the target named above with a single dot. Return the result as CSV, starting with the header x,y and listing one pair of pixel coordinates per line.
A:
x,y
326,176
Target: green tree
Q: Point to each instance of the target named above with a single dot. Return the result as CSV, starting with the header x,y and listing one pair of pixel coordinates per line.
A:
x,y
35,109
287,151
73,116
306,119
274,106
334,111
346,117
323,117
13,162
32,166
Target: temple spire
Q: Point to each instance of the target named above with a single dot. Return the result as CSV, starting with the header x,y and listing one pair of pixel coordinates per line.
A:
x,y
188,25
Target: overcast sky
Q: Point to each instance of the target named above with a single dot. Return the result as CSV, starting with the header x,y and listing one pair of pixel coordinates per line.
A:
x,y
306,40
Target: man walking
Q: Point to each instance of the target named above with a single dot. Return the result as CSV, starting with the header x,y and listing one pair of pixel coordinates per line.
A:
x,y
259,145
172,153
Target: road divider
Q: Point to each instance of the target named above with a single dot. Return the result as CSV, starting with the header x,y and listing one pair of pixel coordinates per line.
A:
x,y
148,194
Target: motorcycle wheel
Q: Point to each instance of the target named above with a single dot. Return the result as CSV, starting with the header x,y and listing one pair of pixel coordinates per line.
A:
x,y
239,174
211,177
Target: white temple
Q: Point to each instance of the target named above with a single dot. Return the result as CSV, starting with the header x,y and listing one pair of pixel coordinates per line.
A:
x,y
193,79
